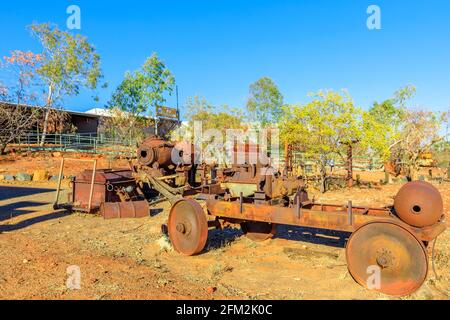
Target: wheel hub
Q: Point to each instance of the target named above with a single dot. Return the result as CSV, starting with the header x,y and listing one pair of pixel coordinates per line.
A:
x,y
385,258
188,227
184,228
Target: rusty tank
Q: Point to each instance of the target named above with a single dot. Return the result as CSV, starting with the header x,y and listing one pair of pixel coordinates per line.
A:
x,y
155,152
419,204
158,153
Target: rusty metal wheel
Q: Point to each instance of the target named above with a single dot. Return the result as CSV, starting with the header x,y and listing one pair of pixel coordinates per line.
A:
x,y
258,231
188,227
386,249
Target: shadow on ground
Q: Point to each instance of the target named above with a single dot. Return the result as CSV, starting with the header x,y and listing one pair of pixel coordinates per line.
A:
x,y
315,236
221,238
13,204
32,221
17,209
7,193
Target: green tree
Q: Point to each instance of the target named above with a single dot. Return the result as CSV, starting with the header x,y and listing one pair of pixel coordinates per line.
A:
x,y
125,127
21,91
400,135
143,90
323,128
383,123
212,118
69,63
265,102
221,118
420,132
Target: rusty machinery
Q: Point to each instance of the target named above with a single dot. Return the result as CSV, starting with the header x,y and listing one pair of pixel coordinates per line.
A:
x,y
258,198
170,171
168,168
393,239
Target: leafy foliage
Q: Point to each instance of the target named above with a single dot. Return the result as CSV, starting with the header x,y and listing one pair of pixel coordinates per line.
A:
x,y
211,117
322,127
265,102
420,132
125,127
383,123
69,62
144,89
17,118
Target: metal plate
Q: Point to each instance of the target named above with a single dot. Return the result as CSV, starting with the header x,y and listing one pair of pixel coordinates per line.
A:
x,y
188,227
387,249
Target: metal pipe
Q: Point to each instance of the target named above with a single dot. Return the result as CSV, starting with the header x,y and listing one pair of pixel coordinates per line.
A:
x,y
350,213
298,207
241,201
91,195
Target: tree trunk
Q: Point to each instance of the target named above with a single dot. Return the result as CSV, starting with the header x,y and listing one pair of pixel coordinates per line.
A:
x,y
350,165
45,128
2,148
413,173
323,179
47,114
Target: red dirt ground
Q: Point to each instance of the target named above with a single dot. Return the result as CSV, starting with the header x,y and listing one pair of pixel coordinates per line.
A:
x,y
130,259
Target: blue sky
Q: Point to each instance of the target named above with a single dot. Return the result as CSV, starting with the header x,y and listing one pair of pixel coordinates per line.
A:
x,y
216,48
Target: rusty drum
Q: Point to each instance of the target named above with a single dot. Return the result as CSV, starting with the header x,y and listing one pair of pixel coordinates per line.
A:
x,y
419,204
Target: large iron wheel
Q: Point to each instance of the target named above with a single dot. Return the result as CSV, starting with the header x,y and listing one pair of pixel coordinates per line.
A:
x,y
386,249
258,231
188,227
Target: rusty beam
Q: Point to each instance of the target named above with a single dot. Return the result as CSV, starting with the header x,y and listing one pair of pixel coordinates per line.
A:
x,y
338,221
320,219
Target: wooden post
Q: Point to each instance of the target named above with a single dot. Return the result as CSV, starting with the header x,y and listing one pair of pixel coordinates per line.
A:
x,y
298,207
55,204
350,213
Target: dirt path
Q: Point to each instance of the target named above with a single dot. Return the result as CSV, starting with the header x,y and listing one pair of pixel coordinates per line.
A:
x,y
130,259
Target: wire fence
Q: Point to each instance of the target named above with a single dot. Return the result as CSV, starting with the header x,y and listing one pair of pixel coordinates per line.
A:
x,y
76,143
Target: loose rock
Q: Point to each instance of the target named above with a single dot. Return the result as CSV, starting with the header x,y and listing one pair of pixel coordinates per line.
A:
x,y
24,177
40,175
